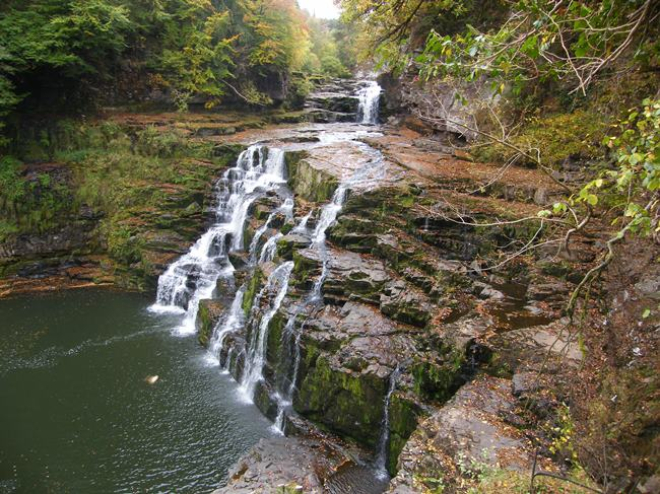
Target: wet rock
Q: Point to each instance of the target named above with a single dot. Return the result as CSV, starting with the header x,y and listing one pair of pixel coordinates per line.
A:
x,y
335,102
310,182
405,304
238,259
354,233
326,116
208,315
348,356
281,463
292,242
262,208
307,267
467,433
352,276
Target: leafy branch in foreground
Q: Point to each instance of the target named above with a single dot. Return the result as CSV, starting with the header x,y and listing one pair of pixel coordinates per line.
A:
x,y
564,40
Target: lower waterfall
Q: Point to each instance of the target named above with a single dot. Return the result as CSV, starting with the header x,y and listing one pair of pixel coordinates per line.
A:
x,y
256,352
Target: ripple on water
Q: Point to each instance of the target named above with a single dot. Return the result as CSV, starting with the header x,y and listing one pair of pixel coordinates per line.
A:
x,y
78,416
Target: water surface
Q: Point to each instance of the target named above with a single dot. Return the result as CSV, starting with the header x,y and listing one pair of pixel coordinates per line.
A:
x,y
76,414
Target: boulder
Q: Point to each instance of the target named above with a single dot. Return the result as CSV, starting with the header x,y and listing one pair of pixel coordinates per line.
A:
x,y
464,437
209,313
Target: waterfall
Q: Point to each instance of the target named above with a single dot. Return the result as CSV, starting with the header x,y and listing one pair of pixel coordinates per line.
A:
x,y
328,216
302,226
384,442
270,249
369,97
256,356
194,276
233,322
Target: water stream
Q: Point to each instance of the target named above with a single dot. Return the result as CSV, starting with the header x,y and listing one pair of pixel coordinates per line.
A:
x,y
181,434
194,276
278,282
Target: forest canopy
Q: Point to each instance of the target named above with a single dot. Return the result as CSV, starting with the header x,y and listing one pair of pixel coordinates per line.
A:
x,y
62,53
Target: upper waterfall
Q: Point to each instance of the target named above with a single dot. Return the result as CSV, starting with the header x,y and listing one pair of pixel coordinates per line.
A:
x,y
369,97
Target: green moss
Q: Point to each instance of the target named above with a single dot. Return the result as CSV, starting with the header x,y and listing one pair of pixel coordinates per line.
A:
x,y
438,380
305,269
404,414
204,323
560,136
274,346
341,400
136,180
310,183
252,289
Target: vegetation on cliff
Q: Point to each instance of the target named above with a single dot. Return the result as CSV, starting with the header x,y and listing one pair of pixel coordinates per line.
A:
x,y
571,88
64,55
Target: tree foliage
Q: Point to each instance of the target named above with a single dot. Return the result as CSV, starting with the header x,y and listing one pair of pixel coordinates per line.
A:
x,y
207,48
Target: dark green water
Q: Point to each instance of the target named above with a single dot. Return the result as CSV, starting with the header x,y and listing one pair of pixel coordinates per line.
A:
x,y
77,416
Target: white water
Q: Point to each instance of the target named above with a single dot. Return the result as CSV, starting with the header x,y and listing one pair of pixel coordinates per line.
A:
x,y
270,249
233,322
329,214
302,226
256,356
193,277
369,97
287,210
384,443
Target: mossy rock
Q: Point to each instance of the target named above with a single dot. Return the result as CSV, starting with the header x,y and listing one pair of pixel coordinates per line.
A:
x,y
252,289
404,415
209,313
307,266
343,401
437,378
309,182
264,401
289,243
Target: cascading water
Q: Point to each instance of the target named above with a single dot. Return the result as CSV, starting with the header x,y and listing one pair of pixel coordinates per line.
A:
x,y
233,322
328,216
369,97
287,210
384,442
259,171
193,277
256,357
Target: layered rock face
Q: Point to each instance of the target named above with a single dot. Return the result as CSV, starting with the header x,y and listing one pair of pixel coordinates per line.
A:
x,y
390,309
362,314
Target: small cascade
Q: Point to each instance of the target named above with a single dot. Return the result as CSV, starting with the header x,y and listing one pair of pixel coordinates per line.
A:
x,y
287,210
270,249
285,397
384,443
193,277
328,216
233,322
254,363
369,97
302,226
